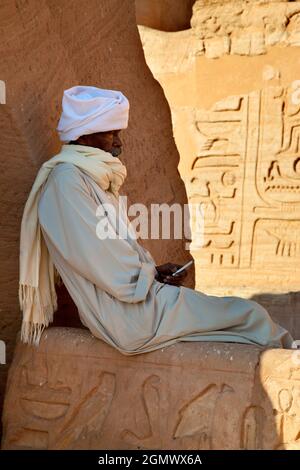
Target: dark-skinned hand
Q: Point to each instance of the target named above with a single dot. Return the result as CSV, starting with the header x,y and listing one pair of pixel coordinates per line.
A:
x,y
164,274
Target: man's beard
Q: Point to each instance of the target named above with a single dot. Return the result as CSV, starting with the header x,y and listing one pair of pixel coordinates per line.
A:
x,y
116,151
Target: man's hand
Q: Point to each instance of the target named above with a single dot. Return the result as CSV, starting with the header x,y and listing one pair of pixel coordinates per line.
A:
x,y
164,274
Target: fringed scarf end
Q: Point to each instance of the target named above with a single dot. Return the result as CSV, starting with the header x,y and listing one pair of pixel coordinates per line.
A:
x,y
31,333
36,316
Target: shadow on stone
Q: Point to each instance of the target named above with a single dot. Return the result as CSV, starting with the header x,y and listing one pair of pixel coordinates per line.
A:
x,y
77,392
284,309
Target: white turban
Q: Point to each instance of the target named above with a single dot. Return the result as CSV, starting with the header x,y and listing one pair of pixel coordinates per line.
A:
x,y
87,109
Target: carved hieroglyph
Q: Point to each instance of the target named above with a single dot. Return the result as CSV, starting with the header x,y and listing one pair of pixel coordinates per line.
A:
x,y
232,82
246,177
280,378
76,392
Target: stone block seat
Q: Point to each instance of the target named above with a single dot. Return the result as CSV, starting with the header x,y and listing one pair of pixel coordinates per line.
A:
x,y
76,392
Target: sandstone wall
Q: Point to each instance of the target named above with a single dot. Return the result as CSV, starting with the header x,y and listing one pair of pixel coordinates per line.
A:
x,y
76,392
232,82
45,47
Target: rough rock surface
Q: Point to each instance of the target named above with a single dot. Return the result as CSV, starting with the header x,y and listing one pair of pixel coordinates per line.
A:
x,y
47,46
77,392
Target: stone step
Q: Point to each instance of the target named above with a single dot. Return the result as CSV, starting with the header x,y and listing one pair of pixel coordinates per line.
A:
x,y
77,392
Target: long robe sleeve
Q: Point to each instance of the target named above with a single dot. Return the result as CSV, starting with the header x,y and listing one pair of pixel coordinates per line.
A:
x,y
68,215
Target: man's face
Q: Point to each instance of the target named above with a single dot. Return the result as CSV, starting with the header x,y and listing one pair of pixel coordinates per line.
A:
x,y
108,141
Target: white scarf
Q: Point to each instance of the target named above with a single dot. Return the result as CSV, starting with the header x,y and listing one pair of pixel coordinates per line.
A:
x,y
37,294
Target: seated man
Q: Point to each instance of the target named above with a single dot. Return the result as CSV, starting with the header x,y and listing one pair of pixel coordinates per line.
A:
x,y
122,296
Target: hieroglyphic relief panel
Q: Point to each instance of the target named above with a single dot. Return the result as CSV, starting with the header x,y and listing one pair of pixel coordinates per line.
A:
x,y
76,392
279,152
56,408
217,177
278,180
246,179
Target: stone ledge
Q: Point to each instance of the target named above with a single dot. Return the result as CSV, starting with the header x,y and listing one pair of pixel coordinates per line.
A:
x,y
77,392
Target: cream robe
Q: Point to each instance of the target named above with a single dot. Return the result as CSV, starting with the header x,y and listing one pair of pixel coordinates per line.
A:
x,y
112,281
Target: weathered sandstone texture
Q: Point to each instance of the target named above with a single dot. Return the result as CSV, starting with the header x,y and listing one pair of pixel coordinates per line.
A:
x,y
233,28
47,46
233,84
77,392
